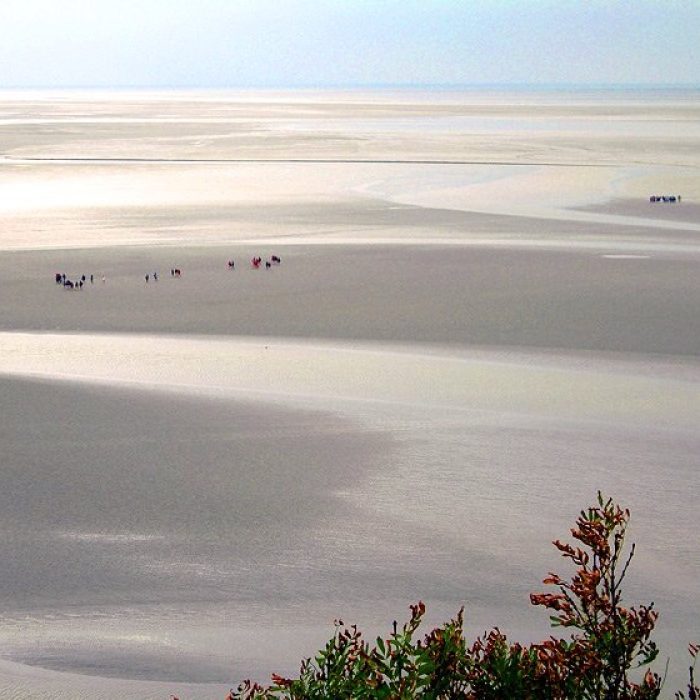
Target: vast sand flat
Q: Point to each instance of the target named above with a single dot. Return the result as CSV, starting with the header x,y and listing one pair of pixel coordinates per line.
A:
x,y
657,128
201,473
77,170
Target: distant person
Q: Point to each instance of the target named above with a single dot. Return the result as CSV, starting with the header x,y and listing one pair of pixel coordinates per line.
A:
x,y
92,279
155,276
104,279
147,278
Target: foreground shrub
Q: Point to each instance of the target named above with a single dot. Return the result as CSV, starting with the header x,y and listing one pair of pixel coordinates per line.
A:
x,y
606,656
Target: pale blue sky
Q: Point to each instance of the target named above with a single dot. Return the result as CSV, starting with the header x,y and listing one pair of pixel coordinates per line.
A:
x,y
265,43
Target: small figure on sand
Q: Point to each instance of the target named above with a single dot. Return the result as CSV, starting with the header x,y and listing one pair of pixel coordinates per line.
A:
x,y
146,278
672,198
231,264
155,276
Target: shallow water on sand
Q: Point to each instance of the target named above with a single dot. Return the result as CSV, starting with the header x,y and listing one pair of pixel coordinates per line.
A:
x,y
207,528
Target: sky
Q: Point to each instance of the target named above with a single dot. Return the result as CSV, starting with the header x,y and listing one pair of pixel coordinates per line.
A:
x,y
335,43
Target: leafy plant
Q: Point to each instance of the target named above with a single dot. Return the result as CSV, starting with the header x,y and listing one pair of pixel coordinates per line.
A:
x,y
693,690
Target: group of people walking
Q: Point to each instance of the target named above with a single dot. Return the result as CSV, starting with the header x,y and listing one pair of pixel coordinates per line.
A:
x,y
257,261
62,279
665,198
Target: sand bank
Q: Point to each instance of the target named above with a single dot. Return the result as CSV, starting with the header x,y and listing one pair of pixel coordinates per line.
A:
x,y
575,300
21,682
433,378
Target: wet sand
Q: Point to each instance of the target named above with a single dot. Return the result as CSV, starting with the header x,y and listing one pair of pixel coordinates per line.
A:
x,y
201,473
182,501
476,296
658,211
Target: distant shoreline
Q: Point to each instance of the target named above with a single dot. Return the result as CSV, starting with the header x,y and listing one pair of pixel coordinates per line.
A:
x,y
428,87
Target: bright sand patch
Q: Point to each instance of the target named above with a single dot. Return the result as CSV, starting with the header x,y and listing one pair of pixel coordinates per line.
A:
x,y
220,156
93,204
21,682
433,379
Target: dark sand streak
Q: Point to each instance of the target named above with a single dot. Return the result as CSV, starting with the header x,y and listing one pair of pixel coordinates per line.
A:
x,y
318,161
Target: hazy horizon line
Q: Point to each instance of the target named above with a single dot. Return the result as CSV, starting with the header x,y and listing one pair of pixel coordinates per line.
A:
x,y
372,86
